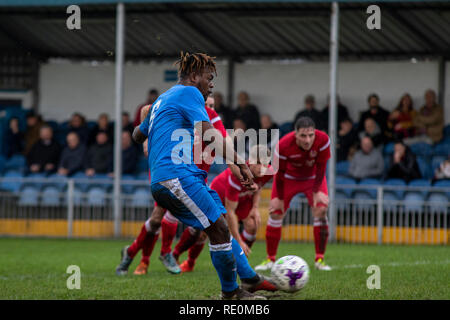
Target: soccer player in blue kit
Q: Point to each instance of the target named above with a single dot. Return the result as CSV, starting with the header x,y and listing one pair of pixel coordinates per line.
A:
x,y
178,185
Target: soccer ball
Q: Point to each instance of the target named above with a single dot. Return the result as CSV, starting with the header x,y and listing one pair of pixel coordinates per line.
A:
x,y
290,273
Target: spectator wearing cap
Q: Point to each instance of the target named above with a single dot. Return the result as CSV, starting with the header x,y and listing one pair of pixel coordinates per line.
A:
x,y
247,111
367,162
44,155
403,164
375,112
72,157
311,112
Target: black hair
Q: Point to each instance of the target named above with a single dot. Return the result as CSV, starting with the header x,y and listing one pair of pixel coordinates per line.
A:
x,y
304,122
194,63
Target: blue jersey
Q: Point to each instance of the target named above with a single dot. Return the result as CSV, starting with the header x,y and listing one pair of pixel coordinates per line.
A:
x,y
170,131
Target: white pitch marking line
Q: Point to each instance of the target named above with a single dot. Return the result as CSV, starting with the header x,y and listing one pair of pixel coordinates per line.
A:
x,y
393,264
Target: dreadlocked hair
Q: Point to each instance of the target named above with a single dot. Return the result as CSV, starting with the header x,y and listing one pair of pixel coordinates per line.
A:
x,y
194,63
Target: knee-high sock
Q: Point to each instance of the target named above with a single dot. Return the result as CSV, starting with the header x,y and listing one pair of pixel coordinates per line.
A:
x,y
195,251
243,267
187,240
320,236
169,226
225,264
273,236
138,242
248,238
148,246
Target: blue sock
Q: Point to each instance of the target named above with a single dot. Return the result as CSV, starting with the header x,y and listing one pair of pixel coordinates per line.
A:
x,y
243,267
225,264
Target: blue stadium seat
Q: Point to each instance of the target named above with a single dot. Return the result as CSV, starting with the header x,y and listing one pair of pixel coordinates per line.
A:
x,y
57,181
395,182
438,202
370,182
342,203
12,186
286,128
16,162
142,176
50,196
345,181
422,149
342,167
363,200
297,201
425,168
420,183
81,185
37,179
443,184
96,196
390,200
414,201
388,148
126,187
78,197
141,197
442,149
29,196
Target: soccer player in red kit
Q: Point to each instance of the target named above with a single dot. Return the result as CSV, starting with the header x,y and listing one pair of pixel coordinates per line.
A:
x,y
302,156
240,203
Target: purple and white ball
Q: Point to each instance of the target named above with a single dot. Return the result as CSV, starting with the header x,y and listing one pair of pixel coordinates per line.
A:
x,y
290,273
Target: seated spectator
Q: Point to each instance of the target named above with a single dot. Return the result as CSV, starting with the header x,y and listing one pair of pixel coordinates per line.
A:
x,y
241,141
247,112
403,164
377,113
78,124
126,122
225,112
99,158
311,112
429,122
102,125
342,113
268,124
152,95
13,140
72,157
347,140
44,155
443,171
129,154
372,130
34,124
401,119
367,162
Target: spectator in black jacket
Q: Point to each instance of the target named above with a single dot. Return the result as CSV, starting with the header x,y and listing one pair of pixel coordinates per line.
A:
x,y
14,139
347,140
102,125
403,164
311,112
247,112
44,155
377,113
72,157
342,113
129,154
99,158
225,112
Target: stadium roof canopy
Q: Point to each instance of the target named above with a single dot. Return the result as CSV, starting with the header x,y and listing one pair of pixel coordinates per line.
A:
x,y
229,29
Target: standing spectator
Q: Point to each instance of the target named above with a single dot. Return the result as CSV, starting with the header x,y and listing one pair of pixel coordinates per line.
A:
x,y
129,154
443,171
225,112
126,122
152,95
44,155
342,113
99,158
377,113
34,124
367,162
268,124
102,125
403,164
72,157
311,112
401,119
78,124
429,121
347,139
372,130
247,112
13,140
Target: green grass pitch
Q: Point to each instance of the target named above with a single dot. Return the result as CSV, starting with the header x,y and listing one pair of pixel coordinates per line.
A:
x,y
36,269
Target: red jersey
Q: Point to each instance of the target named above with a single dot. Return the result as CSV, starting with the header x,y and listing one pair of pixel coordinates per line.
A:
x,y
228,186
298,164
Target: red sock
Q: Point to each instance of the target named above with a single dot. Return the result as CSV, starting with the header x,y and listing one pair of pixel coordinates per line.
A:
x,y
195,251
248,238
186,241
138,242
273,237
320,236
169,230
147,247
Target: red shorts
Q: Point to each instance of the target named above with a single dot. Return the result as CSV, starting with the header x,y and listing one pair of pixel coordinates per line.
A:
x,y
293,187
243,209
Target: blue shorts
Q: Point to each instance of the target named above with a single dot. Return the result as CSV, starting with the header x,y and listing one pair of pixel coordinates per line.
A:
x,y
190,200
